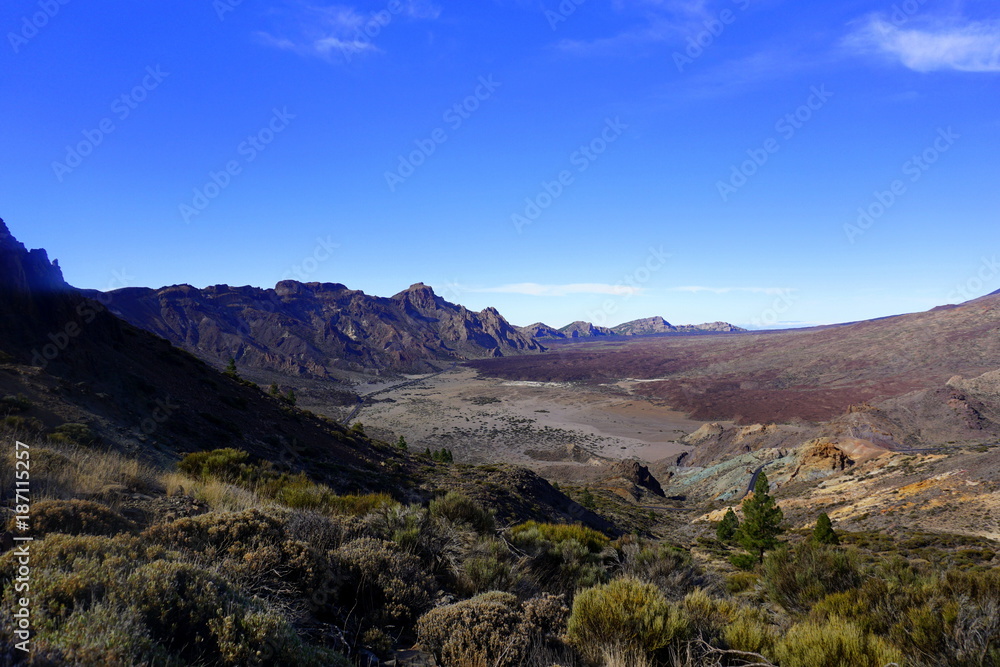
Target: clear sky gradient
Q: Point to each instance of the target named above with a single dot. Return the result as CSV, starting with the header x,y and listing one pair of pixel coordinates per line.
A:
x,y
763,162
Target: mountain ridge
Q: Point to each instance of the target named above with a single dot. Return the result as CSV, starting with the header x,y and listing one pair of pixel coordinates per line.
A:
x,y
316,329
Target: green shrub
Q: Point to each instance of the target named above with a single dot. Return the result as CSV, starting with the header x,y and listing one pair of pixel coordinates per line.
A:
x,y
18,403
360,504
562,557
833,644
105,634
229,465
668,568
624,614
76,517
19,424
385,582
490,629
799,578
740,582
459,509
749,630
487,566
76,434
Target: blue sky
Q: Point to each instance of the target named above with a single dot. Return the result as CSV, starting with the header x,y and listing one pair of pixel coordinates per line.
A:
x,y
763,162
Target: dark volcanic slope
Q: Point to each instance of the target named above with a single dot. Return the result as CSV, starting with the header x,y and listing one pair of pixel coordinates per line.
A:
x,y
76,362
311,328
763,377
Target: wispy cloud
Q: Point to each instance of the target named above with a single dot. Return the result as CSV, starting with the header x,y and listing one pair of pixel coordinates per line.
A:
x,y
536,289
726,290
657,21
971,46
337,33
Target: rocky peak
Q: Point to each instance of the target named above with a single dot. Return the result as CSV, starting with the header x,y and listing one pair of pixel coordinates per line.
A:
x,y
638,474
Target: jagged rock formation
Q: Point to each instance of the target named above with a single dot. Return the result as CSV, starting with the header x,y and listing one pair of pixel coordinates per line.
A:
x,y
540,330
310,329
647,326
639,475
580,329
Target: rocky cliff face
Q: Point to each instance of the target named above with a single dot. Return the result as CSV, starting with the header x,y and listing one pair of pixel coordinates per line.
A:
x,y
645,327
584,330
648,326
311,329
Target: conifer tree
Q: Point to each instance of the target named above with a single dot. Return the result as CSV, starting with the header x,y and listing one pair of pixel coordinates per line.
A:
x,y
761,521
726,529
823,533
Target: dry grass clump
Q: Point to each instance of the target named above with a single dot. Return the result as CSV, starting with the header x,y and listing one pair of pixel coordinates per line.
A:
x,y
66,471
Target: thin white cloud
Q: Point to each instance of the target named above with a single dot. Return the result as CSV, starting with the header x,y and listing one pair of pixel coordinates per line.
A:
x,y
338,33
659,21
972,46
536,289
694,289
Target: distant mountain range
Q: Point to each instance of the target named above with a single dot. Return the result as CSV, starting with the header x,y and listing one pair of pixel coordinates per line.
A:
x,y
315,329
319,329
647,326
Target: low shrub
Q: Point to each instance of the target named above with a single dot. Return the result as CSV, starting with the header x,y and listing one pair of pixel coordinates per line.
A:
x,y
383,581
666,567
459,509
833,644
18,403
491,629
627,615
800,577
76,517
75,434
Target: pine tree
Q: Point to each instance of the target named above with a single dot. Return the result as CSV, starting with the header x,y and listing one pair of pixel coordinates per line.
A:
x,y
587,499
823,533
401,444
274,391
231,368
761,521
291,398
726,529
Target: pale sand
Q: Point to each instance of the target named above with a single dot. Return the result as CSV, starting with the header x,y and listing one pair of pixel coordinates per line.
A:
x,y
525,416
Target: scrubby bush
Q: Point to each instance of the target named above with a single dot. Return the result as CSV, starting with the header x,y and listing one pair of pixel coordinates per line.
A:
x,y
833,644
253,548
749,630
19,424
76,517
459,509
385,582
668,568
491,629
487,566
800,577
624,615
561,558
228,465
74,434
18,403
